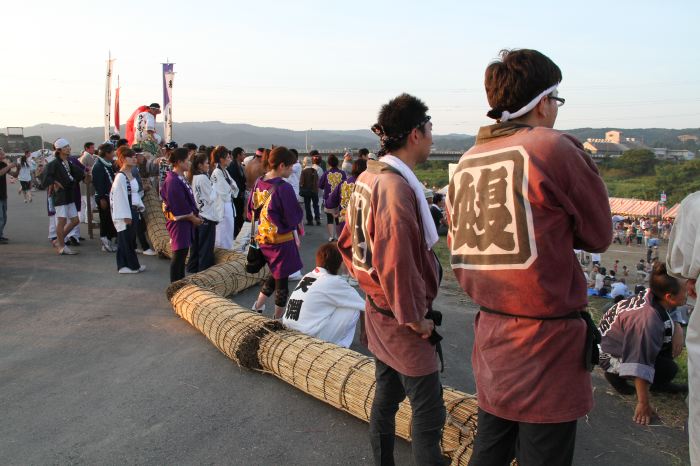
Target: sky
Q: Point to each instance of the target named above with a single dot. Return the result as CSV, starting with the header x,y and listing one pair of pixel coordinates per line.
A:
x,y
331,65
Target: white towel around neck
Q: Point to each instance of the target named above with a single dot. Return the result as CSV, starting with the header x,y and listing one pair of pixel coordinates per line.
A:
x,y
429,230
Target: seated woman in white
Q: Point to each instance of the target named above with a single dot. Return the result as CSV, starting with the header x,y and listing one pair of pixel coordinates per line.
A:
x,y
324,305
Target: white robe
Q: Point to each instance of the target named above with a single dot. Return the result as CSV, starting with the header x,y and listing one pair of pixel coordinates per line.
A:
x,y
223,207
119,200
683,260
330,308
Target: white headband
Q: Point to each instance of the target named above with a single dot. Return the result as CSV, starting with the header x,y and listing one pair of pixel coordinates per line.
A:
x,y
61,143
505,116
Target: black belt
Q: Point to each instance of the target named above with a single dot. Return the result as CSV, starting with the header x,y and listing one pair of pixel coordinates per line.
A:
x,y
591,353
434,339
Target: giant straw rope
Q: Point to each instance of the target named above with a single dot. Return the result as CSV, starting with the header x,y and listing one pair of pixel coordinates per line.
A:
x,y
338,376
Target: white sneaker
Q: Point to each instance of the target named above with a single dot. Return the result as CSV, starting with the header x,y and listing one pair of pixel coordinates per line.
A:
x,y
295,276
107,245
260,310
142,268
149,252
127,270
139,251
66,251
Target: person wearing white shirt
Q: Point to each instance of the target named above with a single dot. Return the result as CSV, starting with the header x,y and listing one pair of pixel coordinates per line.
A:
x,y
619,289
87,158
226,190
324,305
202,249
145,129
295,175
124,202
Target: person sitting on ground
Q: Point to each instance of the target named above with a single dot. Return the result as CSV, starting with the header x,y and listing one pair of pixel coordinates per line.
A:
x,y
324,305
619,288
640,341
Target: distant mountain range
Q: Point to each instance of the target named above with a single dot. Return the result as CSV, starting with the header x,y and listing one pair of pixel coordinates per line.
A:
x,y
250,137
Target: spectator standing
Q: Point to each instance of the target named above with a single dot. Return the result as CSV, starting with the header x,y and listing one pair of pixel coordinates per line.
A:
x,y
683,261
102,179
226,190
25,177
386,245
340,197
308,189
60,178
202,249
530,394
180,210
328,182
5,167
237,172
125,202
274,203
87,158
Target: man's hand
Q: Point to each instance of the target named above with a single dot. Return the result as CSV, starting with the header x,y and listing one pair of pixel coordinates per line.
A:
x,y
424,327
197,220
643,413
677,341
103,204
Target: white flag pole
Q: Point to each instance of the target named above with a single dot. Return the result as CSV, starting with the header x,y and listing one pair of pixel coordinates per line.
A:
x,y
108,96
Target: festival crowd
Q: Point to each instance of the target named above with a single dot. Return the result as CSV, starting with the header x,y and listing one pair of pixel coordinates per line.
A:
x,y
518,200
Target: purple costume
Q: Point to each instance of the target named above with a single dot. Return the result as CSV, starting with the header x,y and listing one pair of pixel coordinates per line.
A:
x,y
178,200
339,199
279,215
329,181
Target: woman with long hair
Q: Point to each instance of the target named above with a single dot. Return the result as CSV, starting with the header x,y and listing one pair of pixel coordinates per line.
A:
x,y
180,211
226,190
328,182
274,205
202,249
25,178
125,202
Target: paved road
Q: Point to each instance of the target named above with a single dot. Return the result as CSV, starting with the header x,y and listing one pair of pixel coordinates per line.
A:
x,y
95,368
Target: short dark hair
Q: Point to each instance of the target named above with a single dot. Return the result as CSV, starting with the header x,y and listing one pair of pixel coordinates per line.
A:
x,y
122,142
398,118
178,155
333,161
661,282
358,166
328,257
87,145
190,146
296,154
106,148
516,78
236,152
364,152
437,197
313,152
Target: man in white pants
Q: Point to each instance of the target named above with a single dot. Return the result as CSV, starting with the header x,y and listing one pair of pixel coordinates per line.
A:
x,y
683,260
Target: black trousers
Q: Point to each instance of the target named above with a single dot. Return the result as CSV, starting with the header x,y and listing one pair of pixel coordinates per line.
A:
x,y
238,219
126,247
107,229
202,249
177,265
311,198
279,286
499,440
427,421
141,231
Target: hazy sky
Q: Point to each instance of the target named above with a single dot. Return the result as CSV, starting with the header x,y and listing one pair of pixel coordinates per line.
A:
x,y
330,65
